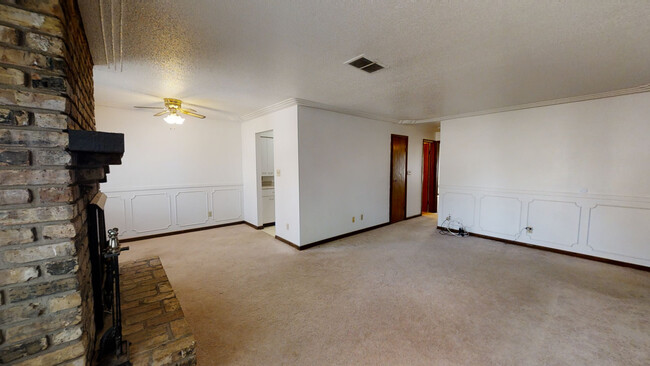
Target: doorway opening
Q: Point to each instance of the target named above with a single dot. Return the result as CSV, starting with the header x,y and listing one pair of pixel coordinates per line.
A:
x,y
430,150
398,171
266,181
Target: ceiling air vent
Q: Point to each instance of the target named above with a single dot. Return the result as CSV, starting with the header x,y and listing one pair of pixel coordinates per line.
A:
x,y
364,64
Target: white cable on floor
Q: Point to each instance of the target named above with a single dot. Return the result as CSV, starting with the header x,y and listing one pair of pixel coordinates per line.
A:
x,y
462,232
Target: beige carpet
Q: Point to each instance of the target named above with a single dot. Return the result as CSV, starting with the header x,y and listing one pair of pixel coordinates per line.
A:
x,y
401,295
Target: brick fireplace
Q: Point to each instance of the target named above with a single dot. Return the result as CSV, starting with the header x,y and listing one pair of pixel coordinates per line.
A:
x,y
46,90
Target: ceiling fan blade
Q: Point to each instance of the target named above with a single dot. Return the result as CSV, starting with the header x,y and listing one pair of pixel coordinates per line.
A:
x,y
189,109
141,107
204,107
161,113
185,111
229,115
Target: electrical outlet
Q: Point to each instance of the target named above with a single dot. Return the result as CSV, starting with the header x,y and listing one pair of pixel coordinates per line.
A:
x,y
352,218
361,218
529,229
209,213
287,226
448,217
277,172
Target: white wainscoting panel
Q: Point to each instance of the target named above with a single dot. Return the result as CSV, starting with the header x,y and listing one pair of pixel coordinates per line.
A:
x,y
606,226
192,208
460,206
554,222
227,204
500,215
150,211
116,207
620,230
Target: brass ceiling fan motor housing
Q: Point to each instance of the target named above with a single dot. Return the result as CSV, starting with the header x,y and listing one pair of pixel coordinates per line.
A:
x,y
174,106
173,103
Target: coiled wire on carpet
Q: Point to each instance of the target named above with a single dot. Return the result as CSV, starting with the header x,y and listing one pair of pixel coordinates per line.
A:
x,y
446,230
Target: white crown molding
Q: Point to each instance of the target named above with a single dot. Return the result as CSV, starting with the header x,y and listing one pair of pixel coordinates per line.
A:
x,y
269,109
545,103
290,102
352,112
308,103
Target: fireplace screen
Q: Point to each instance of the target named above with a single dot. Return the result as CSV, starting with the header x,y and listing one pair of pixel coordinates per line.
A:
x,y
104,254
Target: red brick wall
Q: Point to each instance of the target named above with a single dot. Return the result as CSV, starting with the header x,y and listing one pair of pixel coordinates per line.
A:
x,y
46,87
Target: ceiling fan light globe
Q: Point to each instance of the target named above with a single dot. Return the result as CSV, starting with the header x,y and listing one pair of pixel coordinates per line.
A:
x,y
174,119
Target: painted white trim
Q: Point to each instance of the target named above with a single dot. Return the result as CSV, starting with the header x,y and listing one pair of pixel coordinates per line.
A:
x,y
269,109
101,22
207,205
290,102
610,197
177,186
577,238
120,209
351,112
614,93
535,236
308,103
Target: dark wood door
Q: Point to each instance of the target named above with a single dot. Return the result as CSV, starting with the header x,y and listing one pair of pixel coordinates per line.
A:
x,y
430,176
426,170
433,177
398,156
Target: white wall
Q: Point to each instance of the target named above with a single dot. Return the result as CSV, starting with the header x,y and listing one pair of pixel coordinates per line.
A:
x,y
577,173
345,171
284,124
172,178
204,172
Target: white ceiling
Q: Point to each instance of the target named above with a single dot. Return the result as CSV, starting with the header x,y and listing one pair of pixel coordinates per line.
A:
x,y
444,58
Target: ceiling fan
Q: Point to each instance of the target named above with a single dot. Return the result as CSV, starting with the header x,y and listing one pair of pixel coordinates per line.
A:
x,y
173,107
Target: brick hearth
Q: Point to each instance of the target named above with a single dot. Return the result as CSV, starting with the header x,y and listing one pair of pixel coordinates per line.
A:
x,y
153,319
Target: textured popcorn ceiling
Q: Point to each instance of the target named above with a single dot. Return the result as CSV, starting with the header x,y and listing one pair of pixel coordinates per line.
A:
x,y
444,58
